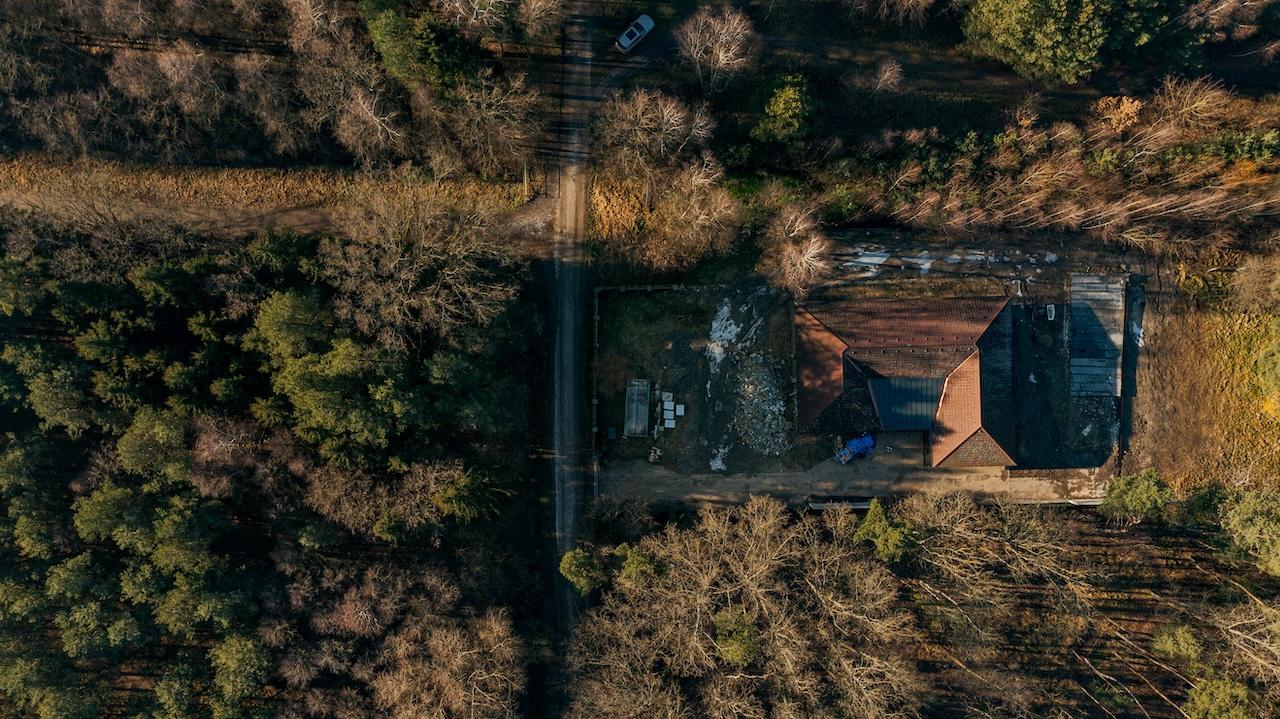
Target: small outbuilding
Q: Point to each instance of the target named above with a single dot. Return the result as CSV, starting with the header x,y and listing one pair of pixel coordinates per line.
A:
x,y
636,422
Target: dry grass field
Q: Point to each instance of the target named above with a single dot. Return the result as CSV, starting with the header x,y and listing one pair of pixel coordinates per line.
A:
x,y
1200,413
226,200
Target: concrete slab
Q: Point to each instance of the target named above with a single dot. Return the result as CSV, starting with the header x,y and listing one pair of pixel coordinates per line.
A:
x,y
896,466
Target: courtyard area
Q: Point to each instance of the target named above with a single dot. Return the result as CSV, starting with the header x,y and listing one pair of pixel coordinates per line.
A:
x,y
722,356
895,467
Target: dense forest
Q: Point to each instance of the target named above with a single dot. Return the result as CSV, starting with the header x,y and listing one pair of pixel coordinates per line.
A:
x,y
940,607
223,464
193,81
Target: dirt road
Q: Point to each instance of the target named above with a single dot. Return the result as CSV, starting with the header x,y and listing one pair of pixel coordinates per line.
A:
x,y
572,465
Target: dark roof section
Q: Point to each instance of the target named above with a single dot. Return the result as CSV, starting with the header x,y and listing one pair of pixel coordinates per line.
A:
x,y
926,322
979,450
852,412
910,361
996,347
906,403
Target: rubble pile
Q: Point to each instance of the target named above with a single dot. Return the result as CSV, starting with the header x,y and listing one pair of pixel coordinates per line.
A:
x,y
759,415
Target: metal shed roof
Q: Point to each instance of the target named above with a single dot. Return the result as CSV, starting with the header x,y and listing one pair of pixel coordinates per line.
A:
x,y
636,423
906,403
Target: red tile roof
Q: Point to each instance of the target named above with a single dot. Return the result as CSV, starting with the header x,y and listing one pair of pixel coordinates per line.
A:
x,y
819,367
909,361
923,338
927,322
958,438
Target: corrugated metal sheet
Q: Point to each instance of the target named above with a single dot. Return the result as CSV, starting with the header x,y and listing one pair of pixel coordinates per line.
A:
x,y
906,403
637,419
1097,334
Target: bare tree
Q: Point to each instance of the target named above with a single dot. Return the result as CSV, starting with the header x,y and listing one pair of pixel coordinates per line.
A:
x,y
368,502
225,454
656,196
368,606
136,74
411,267
346,90
205,17
969,547
718,43
20,69
795,250
394,639
888,77
134,18
691,217
902,12
645,130
1255,286
1062,176
468,670
1228,19
265,91
1181,109
1251,635
197,85
369,126
252,13
491,18
73,123
312,20
494,121
539,18
749,610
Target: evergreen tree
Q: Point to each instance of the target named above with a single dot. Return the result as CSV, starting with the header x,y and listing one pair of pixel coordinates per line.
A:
x,y
1136,498
1048,40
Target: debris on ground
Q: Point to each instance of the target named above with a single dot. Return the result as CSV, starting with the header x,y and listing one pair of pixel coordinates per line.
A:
x,y
717,459
759,415
724,333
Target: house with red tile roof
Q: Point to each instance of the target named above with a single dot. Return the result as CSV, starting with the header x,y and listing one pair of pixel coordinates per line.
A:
x,y
941,366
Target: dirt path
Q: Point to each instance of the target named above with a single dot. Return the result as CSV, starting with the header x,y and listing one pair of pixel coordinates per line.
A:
x,y
306,219
572,470
243,202
885,474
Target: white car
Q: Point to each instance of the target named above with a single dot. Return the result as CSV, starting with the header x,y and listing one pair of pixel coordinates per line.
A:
x,y
635,32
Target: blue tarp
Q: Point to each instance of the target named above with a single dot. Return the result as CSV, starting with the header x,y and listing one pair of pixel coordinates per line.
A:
x,y
861,445
856,448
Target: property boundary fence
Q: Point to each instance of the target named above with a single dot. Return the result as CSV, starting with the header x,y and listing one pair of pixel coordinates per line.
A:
x,y
595,349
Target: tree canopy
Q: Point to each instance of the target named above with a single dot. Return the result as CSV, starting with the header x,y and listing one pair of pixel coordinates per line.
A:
x,y
193,444
748,611
1053,40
